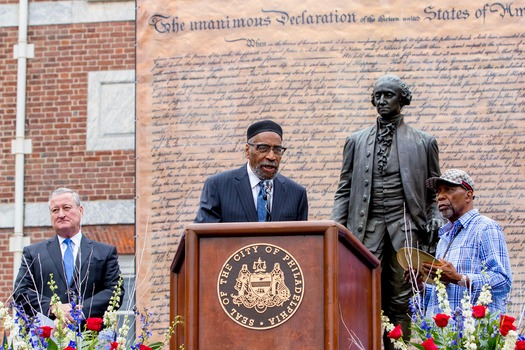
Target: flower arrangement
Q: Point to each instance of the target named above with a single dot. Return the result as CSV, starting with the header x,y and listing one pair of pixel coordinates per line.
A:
x,y
469,327
93,334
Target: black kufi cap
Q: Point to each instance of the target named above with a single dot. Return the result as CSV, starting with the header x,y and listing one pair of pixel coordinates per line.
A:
x,y
262,126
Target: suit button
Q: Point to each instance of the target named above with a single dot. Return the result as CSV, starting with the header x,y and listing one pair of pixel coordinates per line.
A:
x,y
360,228
366,183
364,198
362,213
366,169
368,154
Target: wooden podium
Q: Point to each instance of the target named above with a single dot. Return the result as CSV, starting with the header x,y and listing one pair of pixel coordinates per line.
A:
x,y
277,285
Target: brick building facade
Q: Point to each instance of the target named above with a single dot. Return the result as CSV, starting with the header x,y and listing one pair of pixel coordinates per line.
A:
x,y
79,120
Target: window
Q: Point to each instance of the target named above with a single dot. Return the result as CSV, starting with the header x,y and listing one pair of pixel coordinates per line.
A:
x,y
127,268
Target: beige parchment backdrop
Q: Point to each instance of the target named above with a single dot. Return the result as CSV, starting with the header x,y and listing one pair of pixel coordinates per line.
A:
x,y
206,69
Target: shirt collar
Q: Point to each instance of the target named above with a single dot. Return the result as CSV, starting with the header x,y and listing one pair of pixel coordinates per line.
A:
x,y
396,120
467,217
463,221
76,239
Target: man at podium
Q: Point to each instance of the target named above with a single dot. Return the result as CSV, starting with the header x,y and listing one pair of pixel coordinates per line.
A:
x,y
255,191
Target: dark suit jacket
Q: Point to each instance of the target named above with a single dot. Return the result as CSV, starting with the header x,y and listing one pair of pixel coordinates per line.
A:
x,y
227,197
94,283
418,160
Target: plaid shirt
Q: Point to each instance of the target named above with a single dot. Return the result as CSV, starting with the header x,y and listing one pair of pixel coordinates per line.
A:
x,y
479,244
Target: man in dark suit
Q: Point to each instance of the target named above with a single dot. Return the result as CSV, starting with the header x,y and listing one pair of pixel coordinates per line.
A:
x,y
85,272
381,197
236,195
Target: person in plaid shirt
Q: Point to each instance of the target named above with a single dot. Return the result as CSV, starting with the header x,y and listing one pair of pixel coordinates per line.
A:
x,y
472,249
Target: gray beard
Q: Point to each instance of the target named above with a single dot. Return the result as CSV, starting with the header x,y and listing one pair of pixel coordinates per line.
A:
x,y
260,174
447,213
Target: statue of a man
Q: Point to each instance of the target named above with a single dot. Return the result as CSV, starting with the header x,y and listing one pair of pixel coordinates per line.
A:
x,y
382,198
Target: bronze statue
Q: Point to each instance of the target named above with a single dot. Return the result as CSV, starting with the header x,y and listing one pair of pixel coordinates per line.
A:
x,y
382,198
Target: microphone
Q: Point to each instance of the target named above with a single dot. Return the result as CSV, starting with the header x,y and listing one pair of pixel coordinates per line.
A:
x,y
267,189
267,193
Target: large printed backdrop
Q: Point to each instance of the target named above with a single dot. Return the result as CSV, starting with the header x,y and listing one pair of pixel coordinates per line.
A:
x,y
206,69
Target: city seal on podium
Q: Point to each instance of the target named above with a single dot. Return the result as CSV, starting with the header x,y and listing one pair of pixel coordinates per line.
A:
x,y
260,286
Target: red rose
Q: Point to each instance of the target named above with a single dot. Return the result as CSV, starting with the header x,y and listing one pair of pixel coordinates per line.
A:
x,y
520,345
506,319
505,328
479,311
429,344
69,348
441,320
144,347
45,331
113,345
505,324
94,324
395,333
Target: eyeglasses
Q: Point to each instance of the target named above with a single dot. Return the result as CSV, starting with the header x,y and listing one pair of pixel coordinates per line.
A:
x,y
264,148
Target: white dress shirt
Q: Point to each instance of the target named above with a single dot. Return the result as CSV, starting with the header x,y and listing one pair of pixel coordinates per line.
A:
x,y
254,183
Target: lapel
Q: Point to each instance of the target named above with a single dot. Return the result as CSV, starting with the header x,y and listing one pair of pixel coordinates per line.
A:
x,y
404,148
53,249
84,256
279,195
371,138
244,193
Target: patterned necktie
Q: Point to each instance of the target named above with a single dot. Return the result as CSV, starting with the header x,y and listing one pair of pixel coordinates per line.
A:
x,y
69,262
261,204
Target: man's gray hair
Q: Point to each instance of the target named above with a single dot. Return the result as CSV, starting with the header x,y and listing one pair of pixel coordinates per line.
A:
x,y
63,190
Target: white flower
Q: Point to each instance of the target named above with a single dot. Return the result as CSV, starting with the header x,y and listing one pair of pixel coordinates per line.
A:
x,y
485,296
510,340
398,344
469,323
121,343
9,323
20,344
442,294
3,311
386,322
110,317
